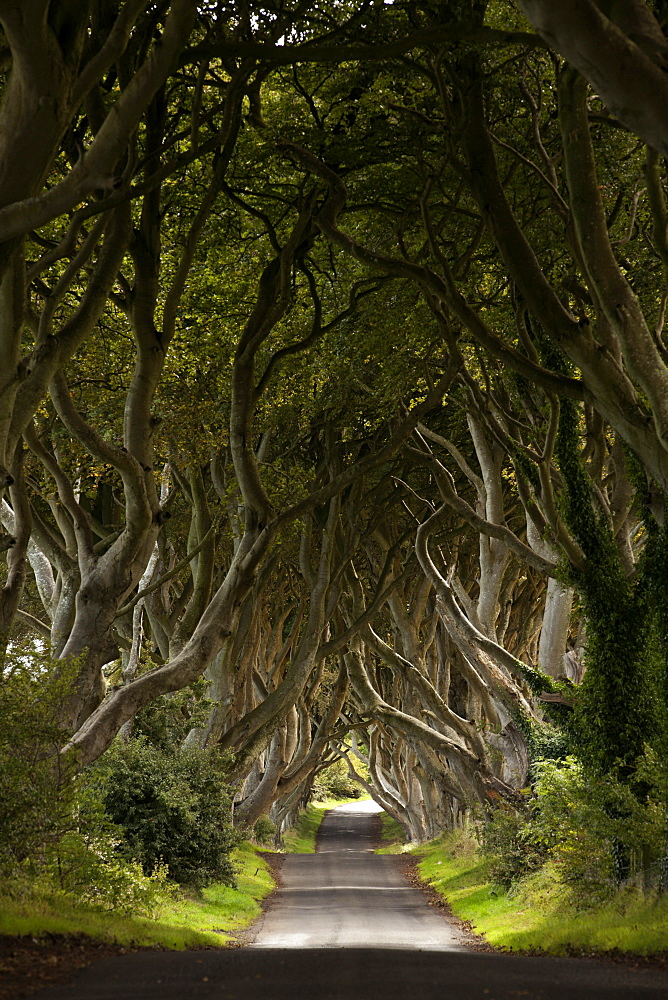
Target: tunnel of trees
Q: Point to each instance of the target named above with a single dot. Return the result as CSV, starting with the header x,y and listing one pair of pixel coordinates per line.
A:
x,y
334,389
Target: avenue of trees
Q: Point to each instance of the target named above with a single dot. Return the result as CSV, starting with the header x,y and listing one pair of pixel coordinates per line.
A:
x,y
334,394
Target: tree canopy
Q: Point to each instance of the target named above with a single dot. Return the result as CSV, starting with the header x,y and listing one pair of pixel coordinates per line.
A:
x,y
334,390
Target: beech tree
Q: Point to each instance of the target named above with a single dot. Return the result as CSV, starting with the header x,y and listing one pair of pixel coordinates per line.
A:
x,y
539,331
620,48
335,371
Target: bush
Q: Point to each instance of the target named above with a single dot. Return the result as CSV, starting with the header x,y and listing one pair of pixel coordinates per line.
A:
x,y
36,795
600,831
264,831
88,863
510,841
596,832
88,869
168,809
173,808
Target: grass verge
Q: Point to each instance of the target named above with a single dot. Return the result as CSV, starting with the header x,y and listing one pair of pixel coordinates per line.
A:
x,y
536,915
184,922
301,839
392,836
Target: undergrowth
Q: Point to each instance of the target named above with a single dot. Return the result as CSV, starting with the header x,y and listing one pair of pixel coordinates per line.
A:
x,y
189,919
539,912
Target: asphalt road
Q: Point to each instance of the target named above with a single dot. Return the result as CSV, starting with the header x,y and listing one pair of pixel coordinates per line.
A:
x,y
346,926
345,896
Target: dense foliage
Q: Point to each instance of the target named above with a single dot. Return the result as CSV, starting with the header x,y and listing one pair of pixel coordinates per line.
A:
x,y
580,826
36,796
334,417
173,809
113,835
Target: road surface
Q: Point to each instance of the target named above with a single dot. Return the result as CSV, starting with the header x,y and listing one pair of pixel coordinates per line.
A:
x,y
346,926
345,896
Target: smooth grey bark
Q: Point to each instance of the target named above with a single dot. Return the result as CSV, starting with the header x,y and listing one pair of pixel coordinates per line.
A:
x,y
620,48
592,346
555,628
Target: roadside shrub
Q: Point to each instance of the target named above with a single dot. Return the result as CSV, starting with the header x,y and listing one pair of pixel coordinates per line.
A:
x,y
35,793
54,835
587,823
173,808
264,831
88,863
168,809
583,826
88,869
512,844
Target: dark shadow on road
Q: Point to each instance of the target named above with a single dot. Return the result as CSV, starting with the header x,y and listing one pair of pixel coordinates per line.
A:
x,y
356,974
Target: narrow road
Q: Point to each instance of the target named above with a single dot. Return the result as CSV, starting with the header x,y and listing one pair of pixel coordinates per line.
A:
x,y
346,926
345,896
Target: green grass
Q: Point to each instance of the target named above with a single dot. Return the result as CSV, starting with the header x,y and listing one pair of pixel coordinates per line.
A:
x,y
185,922
537,914
211,918
392,836
302,837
